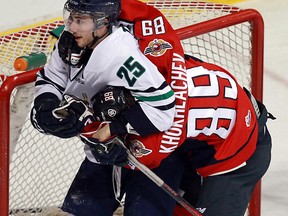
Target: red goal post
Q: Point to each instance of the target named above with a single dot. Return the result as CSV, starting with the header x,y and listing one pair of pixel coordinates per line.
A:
x,y
234,40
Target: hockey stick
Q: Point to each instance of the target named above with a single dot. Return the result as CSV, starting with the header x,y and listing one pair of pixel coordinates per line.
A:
x,y
149,173
159,182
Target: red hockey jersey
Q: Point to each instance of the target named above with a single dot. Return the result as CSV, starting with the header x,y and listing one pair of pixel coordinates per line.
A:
x,y
156,37
217,116
220,125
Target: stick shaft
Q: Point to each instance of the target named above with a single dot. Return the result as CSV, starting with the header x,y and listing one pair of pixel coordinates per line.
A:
x,y
159,182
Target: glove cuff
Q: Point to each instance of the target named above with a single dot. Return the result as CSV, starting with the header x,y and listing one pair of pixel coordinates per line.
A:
x,y
118,126
50,101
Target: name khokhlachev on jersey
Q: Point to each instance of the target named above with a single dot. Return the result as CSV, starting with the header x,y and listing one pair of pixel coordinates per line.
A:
x,y
172,137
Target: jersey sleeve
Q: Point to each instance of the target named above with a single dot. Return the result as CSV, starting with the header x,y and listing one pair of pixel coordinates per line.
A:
x,y
53,77
146,150
155,109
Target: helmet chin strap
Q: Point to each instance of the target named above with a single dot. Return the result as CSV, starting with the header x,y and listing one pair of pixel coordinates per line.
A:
x,y
96,38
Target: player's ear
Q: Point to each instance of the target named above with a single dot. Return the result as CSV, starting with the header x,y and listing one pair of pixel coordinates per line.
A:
x,y
106,21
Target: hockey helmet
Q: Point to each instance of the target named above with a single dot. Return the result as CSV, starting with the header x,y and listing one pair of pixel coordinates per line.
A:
x,y
99,10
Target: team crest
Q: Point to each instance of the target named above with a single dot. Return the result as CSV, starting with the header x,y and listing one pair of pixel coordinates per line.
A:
x,y
157,47
248,119
138,149
111,113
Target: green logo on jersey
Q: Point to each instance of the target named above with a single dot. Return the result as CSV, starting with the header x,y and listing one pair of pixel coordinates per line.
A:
x,y
131,70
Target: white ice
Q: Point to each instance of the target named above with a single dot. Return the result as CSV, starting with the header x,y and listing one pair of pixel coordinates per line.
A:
x,y
275,183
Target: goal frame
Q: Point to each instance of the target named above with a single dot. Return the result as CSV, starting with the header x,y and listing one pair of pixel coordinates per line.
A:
x,y
14,81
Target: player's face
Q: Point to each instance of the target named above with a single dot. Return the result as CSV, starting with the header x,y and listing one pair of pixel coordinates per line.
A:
x,y
83,29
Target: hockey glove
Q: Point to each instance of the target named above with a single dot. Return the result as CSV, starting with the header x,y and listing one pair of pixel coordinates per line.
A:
x,y
68,49
43,119
45,116
74,108
109,152
111,102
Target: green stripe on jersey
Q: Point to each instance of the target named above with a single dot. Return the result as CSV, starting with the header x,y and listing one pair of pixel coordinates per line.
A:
x,y
157,97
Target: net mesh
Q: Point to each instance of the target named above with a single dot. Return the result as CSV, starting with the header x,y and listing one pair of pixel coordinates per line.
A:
x,y
229,47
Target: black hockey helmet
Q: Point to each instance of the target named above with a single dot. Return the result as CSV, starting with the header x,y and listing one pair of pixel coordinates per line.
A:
x,y
98,9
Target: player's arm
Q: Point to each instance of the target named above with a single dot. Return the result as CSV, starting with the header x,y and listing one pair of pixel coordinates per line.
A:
x,y
132,114
154,109
108,105
49,87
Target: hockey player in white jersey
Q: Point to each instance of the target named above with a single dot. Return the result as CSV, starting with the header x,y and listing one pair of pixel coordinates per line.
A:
x,y
111,57
107,56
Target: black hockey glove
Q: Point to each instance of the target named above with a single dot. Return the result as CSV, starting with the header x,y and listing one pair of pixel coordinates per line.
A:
x,y
111,102
110,152
68,49
65,121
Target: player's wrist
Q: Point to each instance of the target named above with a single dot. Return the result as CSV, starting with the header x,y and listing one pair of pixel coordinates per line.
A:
x,y
47,101
118,126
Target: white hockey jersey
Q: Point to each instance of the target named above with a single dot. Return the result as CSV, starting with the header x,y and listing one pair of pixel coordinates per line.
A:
x,y
116,61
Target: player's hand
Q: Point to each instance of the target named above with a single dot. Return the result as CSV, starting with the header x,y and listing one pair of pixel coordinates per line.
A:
x,y
107,152
103,133
65,121
111,102
68,49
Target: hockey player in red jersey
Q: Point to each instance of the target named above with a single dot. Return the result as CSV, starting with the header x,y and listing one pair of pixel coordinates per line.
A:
x,y
224,138
221,134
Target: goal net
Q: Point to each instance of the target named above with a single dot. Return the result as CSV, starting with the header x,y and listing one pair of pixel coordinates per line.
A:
x,y
36,170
